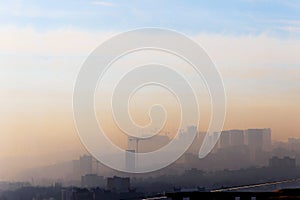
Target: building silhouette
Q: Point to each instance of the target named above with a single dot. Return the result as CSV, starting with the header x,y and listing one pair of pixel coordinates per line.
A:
x,y
83,166
130,160
92,181
118,184
224,140
237,138
282,163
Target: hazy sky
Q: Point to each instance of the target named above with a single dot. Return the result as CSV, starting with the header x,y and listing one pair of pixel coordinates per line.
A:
x,y
254,43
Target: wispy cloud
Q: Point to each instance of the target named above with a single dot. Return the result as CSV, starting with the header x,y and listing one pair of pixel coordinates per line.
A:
x,y
291,29
103,3
290,3
290,22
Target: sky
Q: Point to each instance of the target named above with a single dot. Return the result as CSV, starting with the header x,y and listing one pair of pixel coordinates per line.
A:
x,y
254,43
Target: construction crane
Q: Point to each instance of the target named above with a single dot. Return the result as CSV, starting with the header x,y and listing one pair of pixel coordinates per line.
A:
x,y
136,142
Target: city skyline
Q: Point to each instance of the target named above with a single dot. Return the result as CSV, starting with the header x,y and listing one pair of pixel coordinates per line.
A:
x,y
254,44
225,143
254,152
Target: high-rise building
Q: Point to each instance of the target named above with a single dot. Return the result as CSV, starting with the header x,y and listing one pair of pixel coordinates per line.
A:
x,y
194,148
259,139
149,144
83,166
92,181
224,139
130,160
208,141
267,141
86,164
237,137
254,138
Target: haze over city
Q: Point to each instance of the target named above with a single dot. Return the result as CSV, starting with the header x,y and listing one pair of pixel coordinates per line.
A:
x,y
254,44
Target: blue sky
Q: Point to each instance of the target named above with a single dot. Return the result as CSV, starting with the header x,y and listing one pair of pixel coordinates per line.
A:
x,y
275,17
